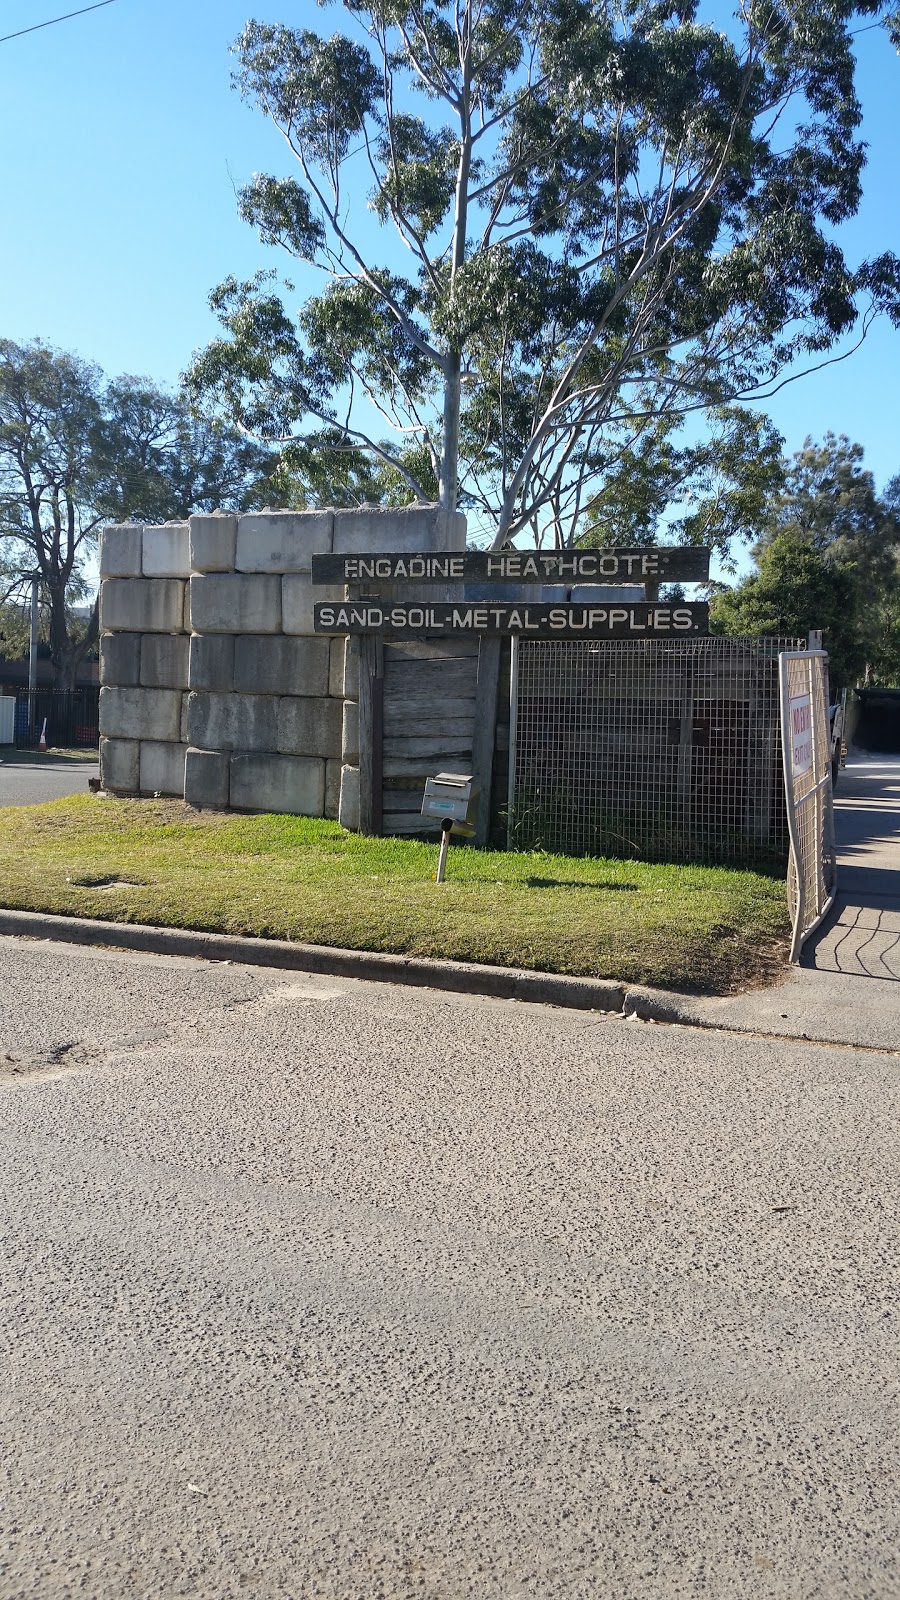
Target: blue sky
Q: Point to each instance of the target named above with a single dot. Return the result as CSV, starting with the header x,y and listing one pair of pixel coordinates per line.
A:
x,y
124,145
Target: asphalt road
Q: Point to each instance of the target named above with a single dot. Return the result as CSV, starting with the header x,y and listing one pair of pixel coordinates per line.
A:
x,y
31,780
321,1288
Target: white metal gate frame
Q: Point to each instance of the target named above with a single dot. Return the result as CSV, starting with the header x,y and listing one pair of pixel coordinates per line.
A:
x,y
812,865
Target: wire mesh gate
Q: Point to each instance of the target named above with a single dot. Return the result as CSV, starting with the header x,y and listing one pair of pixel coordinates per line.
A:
x,y
664,749
806,756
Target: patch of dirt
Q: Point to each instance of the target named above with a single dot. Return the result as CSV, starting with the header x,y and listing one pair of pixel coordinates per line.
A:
x,y
89,881
56,1062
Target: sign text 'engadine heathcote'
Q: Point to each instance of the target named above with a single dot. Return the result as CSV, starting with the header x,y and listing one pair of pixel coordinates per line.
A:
x,y
539,621
658,564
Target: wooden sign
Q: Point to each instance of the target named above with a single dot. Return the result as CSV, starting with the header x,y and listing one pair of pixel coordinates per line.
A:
x,y
539,621
656,564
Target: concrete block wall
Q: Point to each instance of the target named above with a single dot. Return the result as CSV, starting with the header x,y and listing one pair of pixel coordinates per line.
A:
x,y
214,685
145,626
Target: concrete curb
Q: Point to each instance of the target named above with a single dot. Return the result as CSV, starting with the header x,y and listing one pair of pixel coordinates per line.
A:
x,y
655,1005
503,983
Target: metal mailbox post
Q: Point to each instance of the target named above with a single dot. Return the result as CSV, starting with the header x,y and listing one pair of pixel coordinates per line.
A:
x,y
451,800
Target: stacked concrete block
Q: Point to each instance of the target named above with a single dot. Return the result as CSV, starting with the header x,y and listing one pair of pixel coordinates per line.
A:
x,y
164,660
214,683
232,721
264,728
234,602
143,657
282,665
165,551
212,541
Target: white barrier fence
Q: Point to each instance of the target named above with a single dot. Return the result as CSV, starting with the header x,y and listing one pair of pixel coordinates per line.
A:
x,y
806,753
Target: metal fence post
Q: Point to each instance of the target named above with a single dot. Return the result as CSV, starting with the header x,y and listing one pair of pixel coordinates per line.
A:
x,y
513,728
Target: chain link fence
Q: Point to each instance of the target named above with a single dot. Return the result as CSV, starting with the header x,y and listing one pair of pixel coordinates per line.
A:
x,y
667,750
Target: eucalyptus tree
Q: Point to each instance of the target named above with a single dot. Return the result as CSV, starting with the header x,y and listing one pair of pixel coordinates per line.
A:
x,y
583,217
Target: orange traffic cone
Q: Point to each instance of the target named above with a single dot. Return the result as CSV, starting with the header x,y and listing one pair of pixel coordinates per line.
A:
x,y
42,742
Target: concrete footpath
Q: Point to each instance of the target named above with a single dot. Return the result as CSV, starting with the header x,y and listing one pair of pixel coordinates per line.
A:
x,y
847,986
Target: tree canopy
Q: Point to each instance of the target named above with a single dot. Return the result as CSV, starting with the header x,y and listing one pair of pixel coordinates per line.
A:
x,y
829,558
583,221
77,451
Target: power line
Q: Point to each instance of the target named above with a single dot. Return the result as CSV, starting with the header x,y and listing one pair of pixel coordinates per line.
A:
x,y
53,20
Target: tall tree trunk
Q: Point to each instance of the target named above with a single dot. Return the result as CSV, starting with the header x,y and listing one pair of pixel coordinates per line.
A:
x,y
66,653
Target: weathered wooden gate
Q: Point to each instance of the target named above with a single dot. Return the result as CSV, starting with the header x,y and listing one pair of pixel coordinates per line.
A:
x,y
429,705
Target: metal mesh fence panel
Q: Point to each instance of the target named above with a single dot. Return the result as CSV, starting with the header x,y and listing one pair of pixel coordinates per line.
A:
x,y
71,716
812,867
667,750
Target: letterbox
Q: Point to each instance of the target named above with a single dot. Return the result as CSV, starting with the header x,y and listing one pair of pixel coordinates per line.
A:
x,y
450,796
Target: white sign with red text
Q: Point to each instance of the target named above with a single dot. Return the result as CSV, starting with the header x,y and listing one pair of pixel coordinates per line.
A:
x,y
801,734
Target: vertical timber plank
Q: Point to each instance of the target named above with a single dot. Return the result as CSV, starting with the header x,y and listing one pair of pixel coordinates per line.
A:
x,y
484,735
378,739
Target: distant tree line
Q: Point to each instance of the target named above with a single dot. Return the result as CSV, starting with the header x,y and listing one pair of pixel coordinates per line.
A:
x,y
827,556
78,450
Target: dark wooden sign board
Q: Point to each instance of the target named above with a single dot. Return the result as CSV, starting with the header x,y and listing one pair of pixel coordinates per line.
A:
x,y
656,564
612,620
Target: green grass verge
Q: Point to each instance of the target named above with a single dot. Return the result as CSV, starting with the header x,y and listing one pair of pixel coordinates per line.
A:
x,y
704,929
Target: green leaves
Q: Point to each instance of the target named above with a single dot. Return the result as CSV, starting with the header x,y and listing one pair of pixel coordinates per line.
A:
x,y
320,90
829,558
596,219
281,211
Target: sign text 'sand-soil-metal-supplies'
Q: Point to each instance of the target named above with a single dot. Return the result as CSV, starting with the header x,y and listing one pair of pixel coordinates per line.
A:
x,y
658,564
538,621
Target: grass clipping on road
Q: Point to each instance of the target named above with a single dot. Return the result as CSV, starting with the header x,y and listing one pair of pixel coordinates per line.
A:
x,y
706,929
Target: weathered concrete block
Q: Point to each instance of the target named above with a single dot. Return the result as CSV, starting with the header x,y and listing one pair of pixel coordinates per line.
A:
x,y
332,790
278,665
348,810
350,734
298,596
211,661
418,527
235,603
120,659
206,776
140,713
166,551
212,540
294,784
162,767
351,670
142,605
336,668
120,550
120,765
282,541
182,731
232,721
164,661
309,727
